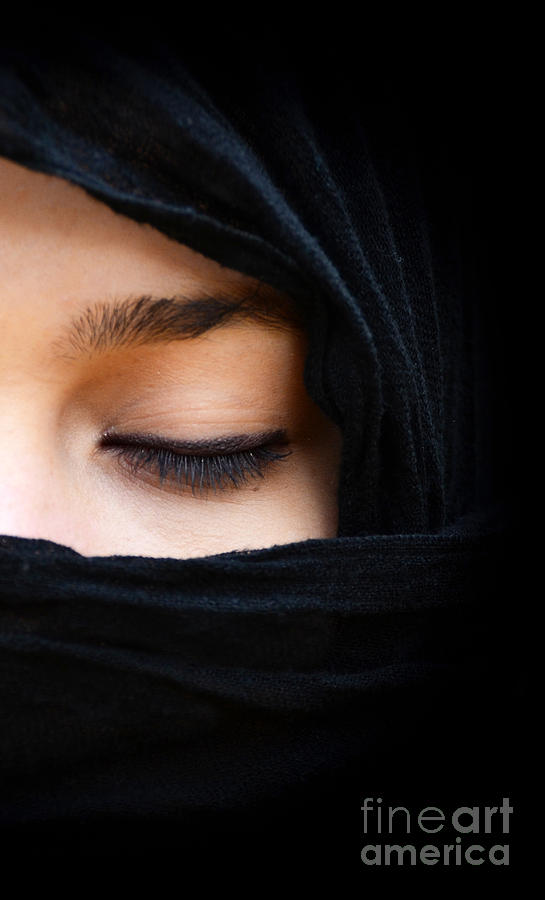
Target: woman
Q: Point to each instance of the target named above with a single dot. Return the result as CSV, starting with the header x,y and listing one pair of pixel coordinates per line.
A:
x,y
206,390
253,526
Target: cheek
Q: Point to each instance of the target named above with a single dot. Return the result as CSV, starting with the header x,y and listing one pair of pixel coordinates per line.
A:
x,y
254,524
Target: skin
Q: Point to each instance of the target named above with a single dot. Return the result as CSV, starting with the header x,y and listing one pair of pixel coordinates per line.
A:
x,y
62,251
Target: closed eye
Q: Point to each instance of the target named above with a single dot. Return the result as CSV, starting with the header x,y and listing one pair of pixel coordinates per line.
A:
x,y
217,464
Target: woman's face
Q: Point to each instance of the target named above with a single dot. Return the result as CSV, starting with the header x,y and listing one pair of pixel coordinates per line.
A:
x,y
121,434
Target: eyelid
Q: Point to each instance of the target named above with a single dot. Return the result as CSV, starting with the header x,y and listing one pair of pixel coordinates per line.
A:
x,y
204,467
203,447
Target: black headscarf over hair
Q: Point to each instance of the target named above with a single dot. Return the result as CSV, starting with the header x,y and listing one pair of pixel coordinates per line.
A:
x,y
269,691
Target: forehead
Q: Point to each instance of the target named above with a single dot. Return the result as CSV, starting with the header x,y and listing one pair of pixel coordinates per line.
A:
x,y
62,247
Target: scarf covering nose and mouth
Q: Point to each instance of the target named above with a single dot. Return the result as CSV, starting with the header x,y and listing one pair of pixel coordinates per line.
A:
x,y
267,692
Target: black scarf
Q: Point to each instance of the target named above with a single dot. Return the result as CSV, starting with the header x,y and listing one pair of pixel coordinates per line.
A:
x,y
258,696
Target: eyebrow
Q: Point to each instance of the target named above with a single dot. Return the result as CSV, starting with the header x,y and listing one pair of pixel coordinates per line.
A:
x,y
148,319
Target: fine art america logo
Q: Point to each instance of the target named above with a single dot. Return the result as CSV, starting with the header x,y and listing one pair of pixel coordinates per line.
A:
x,y
476,835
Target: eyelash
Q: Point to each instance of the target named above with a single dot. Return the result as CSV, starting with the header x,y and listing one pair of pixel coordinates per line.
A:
x,y
200,472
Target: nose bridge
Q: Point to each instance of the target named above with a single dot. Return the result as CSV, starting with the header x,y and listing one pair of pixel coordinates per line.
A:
x,y
32,490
